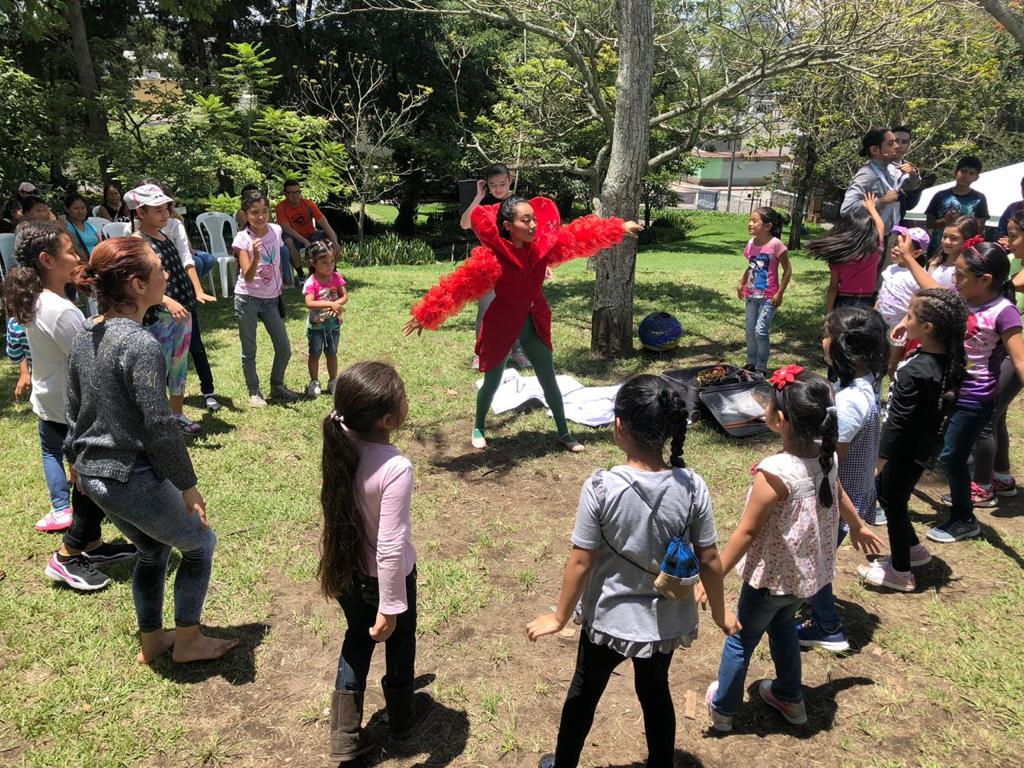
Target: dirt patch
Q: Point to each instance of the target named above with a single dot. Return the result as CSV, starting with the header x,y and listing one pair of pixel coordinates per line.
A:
x,y
497,697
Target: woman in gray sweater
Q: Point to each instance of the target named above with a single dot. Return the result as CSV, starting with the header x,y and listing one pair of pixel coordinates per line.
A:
x,y
127,452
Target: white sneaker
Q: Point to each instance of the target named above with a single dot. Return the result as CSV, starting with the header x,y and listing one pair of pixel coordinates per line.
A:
x,y
257,401
721,723
476,362
314,388
331,384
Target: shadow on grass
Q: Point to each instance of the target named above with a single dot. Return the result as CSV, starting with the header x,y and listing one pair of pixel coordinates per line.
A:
x,y
680,759
442,734
238,667
757,718
990,534
504,454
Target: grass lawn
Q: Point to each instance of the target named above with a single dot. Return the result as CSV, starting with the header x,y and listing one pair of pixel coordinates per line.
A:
x,y
936,679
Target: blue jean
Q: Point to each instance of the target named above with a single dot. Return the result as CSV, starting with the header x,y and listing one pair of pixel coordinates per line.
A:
x,y
249,311
151,513
204,263
823,602
51,441
962,431
360,606
286,264
760,612
760,312
323,339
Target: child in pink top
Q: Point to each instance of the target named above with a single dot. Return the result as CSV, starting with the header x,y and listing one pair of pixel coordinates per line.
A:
x,y
853,250
760,287
368,562
326,296
784,545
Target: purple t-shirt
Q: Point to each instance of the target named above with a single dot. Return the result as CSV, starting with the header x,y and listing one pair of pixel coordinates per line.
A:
x,y
268,281
983,343
762,268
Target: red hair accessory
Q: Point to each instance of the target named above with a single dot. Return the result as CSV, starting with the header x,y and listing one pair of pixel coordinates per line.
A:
x,y
785,375
973,241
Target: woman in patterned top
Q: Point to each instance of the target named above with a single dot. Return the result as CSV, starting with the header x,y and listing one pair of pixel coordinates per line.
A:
x,y
173,318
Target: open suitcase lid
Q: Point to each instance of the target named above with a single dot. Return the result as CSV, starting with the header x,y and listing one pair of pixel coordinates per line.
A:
x,y
730,401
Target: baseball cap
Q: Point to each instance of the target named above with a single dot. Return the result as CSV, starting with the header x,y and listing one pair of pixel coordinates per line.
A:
x,y
27,187
146,194
919,236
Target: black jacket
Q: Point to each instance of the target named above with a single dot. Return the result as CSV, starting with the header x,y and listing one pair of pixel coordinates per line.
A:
x,y
914,413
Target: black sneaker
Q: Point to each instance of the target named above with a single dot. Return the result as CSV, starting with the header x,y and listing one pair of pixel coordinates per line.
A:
x,y
110,553
77,573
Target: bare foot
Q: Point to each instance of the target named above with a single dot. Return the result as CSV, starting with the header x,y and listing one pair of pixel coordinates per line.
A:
x,y
199,647
155,645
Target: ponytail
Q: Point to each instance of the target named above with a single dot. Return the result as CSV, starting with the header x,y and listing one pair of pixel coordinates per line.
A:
x,y
826,454
23,282
342,537
679,422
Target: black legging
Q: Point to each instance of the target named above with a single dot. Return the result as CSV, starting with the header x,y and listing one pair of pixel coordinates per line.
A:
x,y
895,484
594,665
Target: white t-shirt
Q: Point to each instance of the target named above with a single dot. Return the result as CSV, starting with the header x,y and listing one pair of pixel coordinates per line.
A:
x,y
854,405
175,230
50,334
898,288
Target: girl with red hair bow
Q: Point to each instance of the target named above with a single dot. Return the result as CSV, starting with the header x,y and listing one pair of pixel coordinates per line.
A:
x,y
520,240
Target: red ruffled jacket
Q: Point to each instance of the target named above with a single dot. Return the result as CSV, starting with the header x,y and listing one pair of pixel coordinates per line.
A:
x,y
515,274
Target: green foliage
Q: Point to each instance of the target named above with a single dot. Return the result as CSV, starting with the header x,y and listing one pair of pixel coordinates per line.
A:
x,y
669,226
21,126
222,203
385,251
250,77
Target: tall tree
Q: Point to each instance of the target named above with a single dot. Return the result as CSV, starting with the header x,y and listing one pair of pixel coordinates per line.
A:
x,y
706,56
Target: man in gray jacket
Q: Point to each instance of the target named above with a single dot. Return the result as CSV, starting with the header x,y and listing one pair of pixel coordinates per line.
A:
x,y
879,146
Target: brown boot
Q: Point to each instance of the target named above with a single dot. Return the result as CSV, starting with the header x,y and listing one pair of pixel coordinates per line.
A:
x,y
348,740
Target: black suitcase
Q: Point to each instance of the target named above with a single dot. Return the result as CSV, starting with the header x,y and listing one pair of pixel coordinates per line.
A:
x,y
729,395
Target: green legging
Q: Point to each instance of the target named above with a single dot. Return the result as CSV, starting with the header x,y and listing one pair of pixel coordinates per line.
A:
x,y
543,365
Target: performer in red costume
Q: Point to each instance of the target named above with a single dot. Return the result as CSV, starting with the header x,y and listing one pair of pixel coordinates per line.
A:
x,y
519,239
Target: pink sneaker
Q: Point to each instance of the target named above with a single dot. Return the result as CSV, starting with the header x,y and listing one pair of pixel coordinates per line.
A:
x,y
55,520
881,574
919,555
794,712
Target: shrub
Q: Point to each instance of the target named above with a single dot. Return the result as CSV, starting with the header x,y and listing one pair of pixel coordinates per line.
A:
x,y
386,251
669,226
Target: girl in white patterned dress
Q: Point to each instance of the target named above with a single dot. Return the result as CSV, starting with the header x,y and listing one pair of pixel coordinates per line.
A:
x,y
785,544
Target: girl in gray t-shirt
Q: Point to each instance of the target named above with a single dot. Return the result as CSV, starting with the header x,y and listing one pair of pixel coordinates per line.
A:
x,y
627,517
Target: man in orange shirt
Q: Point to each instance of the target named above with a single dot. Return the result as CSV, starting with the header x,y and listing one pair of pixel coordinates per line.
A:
x,y
298,218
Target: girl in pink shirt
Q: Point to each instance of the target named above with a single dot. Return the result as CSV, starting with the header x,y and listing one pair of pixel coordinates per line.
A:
x,y
853,250
368,562
784,545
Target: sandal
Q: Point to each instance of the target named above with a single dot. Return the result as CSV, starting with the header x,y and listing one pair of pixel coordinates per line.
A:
x,y
478,440
570,443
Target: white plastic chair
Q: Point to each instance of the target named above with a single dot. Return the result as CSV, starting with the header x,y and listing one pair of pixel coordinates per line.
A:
x,y
7,251
115,229
98,223
211,229
96,212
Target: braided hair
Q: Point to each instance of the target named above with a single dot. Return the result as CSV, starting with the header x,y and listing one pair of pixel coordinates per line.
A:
x,y
809,406
858,337
947,313
653,410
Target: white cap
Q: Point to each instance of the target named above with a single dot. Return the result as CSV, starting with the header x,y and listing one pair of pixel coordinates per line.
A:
x,y
27,187
147,194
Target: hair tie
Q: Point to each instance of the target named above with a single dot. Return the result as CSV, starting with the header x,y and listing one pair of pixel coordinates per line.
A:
x,y
785,375
338,419
830,409
973,241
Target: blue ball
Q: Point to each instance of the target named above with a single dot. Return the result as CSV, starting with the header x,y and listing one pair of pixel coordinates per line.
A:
x,y
660,331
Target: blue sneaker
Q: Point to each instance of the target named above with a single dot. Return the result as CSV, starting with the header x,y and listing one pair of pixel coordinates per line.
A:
x,y
813,636
955,530
878,518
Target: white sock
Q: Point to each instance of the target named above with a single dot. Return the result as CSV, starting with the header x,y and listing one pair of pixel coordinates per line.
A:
x,y
1001,477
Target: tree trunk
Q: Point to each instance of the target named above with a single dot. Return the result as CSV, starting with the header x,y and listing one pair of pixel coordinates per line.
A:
x,y
408,204
611,333
87,84
361,221
1011,22
803,189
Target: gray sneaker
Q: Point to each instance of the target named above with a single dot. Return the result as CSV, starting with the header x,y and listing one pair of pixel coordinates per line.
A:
x,y
281,392
257,401
955,530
